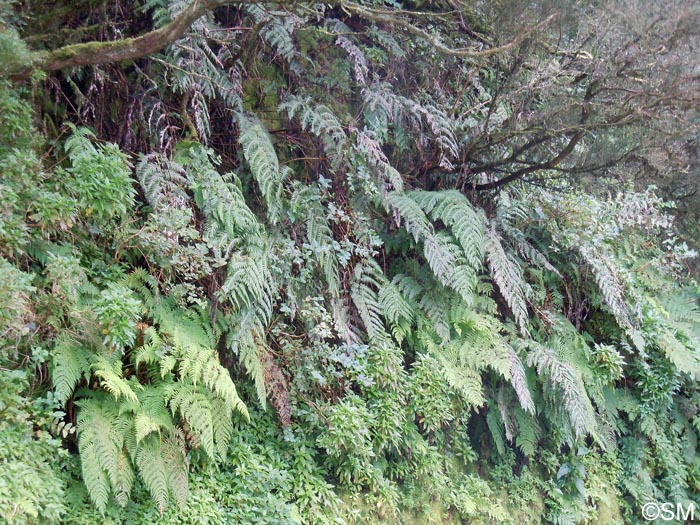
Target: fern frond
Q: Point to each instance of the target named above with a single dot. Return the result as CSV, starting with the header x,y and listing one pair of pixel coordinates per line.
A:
x,y
495,426
609,284
507,275
364,294
528,432
249,283
322,122
466,381
71,363
101,432
394,306
163,181
260,155
519,381
573,393
277,31
685,359
152,415
153,470
112,380
195,408
466,224
174,455
243,342
223,428
415,220
94,477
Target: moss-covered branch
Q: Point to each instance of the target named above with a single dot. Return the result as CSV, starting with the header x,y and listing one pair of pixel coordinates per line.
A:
x,y
92,53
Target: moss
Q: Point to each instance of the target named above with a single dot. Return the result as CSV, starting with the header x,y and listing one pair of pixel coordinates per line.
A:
x,y
89,48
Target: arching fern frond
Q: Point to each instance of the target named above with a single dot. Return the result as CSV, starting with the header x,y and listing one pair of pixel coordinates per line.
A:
x,y
507,275
570,386
259,152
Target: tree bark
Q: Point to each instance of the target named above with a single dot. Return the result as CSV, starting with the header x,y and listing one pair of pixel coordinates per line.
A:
x,y
93,53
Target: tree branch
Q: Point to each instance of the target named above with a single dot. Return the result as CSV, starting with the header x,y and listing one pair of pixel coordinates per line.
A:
x,y
376,15
93,53
554,162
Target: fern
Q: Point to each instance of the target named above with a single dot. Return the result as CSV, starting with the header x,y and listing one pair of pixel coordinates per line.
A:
x,y
454,210
573,393
322,122
394,306
367,280
260,154
415,220
101,433
277,31
528,432
195,408
369,153
494,423
686,360
507,275
465,381
112,380
71,363
162,181
154,470
193,347
443,256
243,341
519,382
174,450
419,115
609,284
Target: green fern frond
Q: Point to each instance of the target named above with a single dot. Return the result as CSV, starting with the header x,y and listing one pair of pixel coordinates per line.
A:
x,y
112,380
162,180
276,30
95,478
466,224
174,455
101,433
306,202
518,379
71,363
153,470
528,432
466,381
574,397
322,122
364,294
249,283
394,306
243,342
152,415
194,407
260,154
223,428
495,426
686,360
610,285
415,220
507,275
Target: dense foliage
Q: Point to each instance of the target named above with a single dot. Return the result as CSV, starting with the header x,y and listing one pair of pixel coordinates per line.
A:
x,y
345,263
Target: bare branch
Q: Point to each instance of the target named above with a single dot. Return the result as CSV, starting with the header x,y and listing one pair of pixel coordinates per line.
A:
x,y
391,19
